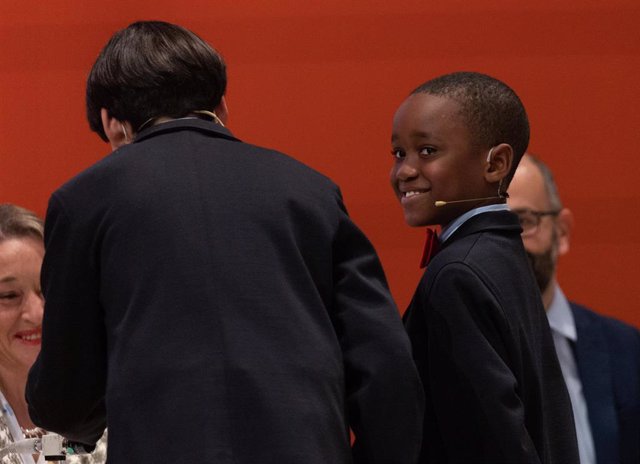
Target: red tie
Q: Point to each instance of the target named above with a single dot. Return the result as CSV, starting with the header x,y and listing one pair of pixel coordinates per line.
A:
x,y
431,247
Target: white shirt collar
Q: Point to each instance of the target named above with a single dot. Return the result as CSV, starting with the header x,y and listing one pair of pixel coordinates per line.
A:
x,y
560,316
454,225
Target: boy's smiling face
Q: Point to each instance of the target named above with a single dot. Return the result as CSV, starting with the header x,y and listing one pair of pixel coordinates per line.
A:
x,y
435,159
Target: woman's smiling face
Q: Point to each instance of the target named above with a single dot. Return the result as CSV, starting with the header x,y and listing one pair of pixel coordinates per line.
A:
x,y
21,302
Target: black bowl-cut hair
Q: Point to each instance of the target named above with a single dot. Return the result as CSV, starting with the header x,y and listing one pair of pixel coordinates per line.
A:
x,y
152,69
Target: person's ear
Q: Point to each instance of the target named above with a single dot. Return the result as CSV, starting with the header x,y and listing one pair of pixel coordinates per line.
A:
x,y
222,111
564,226
498,163
118,132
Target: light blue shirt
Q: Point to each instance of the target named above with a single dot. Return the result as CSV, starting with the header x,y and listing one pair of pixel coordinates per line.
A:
x,y
563,329
454,225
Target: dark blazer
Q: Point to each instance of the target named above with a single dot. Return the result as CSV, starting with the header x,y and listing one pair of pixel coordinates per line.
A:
x,y
212,302
608,358
482,343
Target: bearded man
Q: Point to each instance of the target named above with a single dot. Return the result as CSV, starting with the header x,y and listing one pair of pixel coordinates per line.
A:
x,y
599,356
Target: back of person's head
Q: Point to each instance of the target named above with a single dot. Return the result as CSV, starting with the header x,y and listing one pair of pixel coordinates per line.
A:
x,y
17,222
550,186
492,111
153,69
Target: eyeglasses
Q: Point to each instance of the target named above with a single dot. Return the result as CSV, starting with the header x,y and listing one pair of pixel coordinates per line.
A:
x,y
530,219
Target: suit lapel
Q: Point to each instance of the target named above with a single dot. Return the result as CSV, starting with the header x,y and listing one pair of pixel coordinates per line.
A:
x,y
592,357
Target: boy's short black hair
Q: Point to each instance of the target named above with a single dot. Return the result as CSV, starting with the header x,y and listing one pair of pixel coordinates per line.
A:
x,y
152,69
491,109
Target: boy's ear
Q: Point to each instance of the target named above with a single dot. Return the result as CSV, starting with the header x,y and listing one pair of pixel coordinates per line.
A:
x,y
499,163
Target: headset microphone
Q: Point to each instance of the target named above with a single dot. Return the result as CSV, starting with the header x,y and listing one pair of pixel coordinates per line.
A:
x,y
440,203
443,203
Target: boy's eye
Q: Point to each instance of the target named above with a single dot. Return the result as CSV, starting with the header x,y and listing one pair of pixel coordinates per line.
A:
x,y
427,151
397,154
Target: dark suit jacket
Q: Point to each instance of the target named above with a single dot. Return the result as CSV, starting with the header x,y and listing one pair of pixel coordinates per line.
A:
x,y
482,343
608,359
212,302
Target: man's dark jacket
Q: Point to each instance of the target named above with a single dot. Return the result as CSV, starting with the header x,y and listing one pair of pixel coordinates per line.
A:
x,y
211,301
608,359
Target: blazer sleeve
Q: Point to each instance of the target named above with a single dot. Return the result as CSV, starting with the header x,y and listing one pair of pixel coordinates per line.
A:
x,y
474,391
384,393
66,385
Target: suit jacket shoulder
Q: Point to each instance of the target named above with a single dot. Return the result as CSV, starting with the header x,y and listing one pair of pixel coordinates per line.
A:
x,y
614,328
608,359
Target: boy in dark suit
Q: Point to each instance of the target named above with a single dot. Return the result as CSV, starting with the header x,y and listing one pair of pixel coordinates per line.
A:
x,y
481,341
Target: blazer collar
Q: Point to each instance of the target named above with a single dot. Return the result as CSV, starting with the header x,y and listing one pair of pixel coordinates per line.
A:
x,y
504,221
175,125
449,229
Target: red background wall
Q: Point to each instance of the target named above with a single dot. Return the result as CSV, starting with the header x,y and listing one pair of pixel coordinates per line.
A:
x,y
321,79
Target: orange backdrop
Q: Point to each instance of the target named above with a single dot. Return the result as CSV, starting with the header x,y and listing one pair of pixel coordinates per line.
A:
x,y
320,80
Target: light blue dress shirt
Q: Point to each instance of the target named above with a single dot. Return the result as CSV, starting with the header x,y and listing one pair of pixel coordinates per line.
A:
x,y
455,224
563,329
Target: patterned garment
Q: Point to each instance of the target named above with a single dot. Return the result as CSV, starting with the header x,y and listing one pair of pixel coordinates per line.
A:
x,y
99,455
5,440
